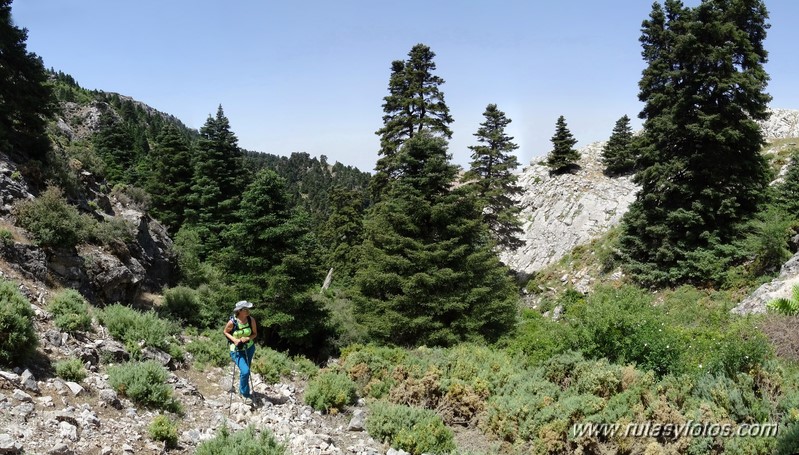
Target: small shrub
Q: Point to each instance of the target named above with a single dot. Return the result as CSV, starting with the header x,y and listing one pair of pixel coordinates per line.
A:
x,y
6,237
163,429
330,392
70,370
144,383
411,429
247,441
113,229
51,220
130,326
70,311
17,335
182,303
306,368
270,364
209,349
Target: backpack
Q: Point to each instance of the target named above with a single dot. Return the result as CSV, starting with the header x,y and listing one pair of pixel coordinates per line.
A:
x,y
236,325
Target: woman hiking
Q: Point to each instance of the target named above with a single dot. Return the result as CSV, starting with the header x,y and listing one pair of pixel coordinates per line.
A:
x,y
240,331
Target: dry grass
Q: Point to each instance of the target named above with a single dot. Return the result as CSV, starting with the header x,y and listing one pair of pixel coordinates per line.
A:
x,y
781,331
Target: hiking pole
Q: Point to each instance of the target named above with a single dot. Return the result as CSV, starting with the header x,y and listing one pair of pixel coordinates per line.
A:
x,y
232,389
249,368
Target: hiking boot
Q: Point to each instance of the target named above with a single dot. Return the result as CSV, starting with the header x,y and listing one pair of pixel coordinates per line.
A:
x,y
246,400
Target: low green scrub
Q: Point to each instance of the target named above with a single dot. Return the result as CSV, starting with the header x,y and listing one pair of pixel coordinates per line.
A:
x,y
51,220
162,428
182,303
70,370
274,365
144,383
410,429
330,392
70,311
17,335
131,327
247,441
208,349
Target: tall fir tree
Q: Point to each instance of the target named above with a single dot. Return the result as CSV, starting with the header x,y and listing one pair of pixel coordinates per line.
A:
x,y
114,144
272,258
618,154
701,173
414,103
491,171
219,179
170,177
26,98
428,274
342,233
563,156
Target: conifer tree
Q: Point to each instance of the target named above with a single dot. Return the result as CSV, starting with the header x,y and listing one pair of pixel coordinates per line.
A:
x,y
342,233
114,144
271,257
219,179
563,156
618,154
701,172
492,166
26,100
414,103
428,274
170,177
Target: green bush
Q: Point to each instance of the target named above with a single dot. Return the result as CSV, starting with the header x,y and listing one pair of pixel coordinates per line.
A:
x,y
6,237
788,443
144,383
411,429
271,364
131,327
17,334
209,349
70,311
113,229
247,441
51,220
163,429
70,370
330,392
623,326
182,303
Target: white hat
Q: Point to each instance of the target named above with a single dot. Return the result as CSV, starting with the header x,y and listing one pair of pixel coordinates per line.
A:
x,y
241,305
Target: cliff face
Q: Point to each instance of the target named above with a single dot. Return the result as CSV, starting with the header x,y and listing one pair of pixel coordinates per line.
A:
x,y
564,211
560,212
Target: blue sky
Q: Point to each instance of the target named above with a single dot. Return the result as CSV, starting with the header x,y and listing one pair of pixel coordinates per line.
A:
x,y
311,75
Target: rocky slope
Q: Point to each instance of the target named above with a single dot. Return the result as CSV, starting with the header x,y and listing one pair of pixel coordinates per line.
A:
x,y
42,414
564,211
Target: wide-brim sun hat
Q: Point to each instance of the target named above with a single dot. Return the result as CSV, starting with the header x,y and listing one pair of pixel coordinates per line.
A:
x,y
242,304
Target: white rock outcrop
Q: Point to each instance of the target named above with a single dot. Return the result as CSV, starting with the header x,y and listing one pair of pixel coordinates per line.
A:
x,y
560,212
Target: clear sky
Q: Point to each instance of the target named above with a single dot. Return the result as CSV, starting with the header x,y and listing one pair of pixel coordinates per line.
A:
x,y
311,75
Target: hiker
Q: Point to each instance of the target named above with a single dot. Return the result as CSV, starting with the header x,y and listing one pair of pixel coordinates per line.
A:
x,y
240,331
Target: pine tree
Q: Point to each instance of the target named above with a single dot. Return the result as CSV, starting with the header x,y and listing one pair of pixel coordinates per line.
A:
x,y
219,179
114,144
701,172
618,154
492,166
414,103
170,177
26,99
563,156
428,275
342,233
271,257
